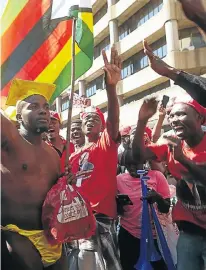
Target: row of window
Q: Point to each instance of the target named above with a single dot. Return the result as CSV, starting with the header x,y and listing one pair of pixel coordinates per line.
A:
x,y
140,17
139,60
149,91
100,13
138,96
103,45
95,85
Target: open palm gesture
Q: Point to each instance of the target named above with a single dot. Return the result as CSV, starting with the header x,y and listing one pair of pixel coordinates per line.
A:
x,y
113,68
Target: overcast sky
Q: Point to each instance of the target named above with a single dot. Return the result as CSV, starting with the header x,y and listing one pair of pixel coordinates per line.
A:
x,y
2,5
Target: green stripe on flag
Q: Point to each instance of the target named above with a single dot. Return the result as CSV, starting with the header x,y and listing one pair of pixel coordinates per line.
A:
x,y
83,63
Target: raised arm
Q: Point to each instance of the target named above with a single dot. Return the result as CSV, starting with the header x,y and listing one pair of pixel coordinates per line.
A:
x,y
194,10
194,85
112,76
156,131
8,130
139,151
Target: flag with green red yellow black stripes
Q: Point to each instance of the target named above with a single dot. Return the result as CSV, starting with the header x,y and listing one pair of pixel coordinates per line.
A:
x,y
36,39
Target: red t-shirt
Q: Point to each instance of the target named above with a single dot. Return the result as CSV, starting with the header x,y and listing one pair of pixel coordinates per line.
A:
x,y
95,167
185,211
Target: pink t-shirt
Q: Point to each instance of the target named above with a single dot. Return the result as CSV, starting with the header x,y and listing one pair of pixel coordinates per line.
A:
x,y
126,184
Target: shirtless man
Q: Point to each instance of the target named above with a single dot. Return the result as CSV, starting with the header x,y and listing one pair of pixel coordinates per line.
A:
x,y
29,168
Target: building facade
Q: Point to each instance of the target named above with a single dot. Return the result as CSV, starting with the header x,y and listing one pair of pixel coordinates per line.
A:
x,y
125,23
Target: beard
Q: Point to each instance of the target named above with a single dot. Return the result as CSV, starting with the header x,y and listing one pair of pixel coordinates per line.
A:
x,y
41,130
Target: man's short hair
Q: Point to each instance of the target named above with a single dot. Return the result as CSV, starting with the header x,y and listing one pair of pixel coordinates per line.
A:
x,y
77,121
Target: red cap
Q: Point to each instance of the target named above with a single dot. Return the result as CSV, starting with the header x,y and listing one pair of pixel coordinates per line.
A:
x,y
55,115
187,99
125,131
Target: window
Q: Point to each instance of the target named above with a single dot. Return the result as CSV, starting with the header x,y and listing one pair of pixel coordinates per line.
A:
x,y
100,13
127,69
140,17
139,61
93,86
191,37
103,45
65,104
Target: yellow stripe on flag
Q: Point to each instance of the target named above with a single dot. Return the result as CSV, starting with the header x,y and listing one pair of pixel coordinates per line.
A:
x,y
13,8
88,19
55,67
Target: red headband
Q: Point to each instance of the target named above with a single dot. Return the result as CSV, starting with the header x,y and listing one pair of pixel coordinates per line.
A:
x,y
99,113
188,100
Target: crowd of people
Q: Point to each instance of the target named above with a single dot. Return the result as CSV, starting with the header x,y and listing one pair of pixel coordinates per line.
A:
x,y
103,168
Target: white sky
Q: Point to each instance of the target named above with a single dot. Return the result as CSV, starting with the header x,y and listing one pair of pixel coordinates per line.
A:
x,y
2,6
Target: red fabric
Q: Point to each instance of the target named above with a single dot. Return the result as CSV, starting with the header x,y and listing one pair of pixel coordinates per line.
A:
x,y
66,216
125,131
97,111
147,136
95,167
186,99
149,132
55,115
196,154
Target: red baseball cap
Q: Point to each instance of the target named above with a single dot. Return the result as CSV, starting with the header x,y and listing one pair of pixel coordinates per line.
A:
x,y
55,115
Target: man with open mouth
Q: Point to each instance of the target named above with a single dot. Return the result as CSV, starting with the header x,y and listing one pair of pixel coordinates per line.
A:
x,y
77,135
185,154
57,141
95,166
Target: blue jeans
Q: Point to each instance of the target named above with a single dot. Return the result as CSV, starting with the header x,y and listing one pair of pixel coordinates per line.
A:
x,y
191,252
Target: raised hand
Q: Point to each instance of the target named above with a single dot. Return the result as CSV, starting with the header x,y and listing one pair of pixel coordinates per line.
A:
x,y
161,111
192,9
155,62
113,68
148,108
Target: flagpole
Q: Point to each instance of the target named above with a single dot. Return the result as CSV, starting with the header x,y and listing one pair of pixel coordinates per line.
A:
x,y
69,118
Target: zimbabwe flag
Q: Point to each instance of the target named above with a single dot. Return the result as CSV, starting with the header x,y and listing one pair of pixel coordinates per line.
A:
x,y
36,41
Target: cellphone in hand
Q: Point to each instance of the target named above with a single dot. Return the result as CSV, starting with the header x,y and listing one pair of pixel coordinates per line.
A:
x,y
165,100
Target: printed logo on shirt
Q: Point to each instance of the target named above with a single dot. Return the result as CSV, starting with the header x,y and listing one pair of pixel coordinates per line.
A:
x,y
85,169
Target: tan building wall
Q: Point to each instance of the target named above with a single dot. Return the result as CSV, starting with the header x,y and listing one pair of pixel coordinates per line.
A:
x,y
182,53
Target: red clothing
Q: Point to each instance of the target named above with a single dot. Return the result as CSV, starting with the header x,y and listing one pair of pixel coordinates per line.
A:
x,y
95,167
185,211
